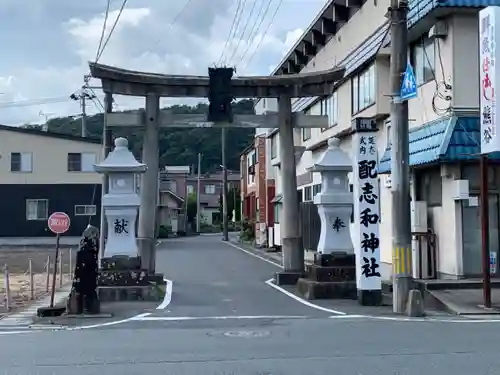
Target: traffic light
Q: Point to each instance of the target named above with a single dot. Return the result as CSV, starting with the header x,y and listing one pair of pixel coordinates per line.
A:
x,y
220,95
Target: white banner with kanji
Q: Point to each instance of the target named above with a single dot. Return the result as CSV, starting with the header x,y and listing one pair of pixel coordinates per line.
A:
x,y
366,211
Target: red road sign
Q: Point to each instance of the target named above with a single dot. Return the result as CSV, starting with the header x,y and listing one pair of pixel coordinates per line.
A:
x,y
59,222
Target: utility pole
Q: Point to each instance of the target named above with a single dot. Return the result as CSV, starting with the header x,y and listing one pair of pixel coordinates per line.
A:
x,y
225,229
198,188
400,179
220,110
82,96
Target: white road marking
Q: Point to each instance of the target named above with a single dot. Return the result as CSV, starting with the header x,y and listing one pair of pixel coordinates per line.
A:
x,y
168,295
230,317
107,324
301,300
255,255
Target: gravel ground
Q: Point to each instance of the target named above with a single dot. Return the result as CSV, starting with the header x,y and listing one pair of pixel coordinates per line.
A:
x,y
19,280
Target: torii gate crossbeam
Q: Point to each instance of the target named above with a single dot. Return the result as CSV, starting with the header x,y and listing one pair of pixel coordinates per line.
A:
x,y
153,86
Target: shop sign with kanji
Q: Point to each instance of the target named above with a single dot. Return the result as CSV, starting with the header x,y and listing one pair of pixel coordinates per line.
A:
x,y
488,58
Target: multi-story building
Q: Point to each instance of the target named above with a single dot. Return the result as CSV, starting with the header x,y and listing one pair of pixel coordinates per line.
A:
x,y
44,172
179,185
257,188
444,117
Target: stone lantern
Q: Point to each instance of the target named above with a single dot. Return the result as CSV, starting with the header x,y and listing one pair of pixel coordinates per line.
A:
x,y
121,203
335,201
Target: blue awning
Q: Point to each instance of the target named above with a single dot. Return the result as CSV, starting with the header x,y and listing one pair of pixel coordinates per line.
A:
x,y
448,139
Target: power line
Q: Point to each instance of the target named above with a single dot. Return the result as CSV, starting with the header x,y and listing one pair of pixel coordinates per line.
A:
x,y
112,30
229,35
103,30
255,30
244,30
174,20
238,20
28,103
264,34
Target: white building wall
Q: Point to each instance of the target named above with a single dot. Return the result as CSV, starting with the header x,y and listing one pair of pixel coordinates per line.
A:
x,y
455,64
49,157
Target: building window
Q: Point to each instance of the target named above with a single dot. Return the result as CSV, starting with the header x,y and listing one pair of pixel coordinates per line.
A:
x,y
190,189
330,108
37,209
21,162
274,146
307,193
423,60
85,210
316,189
306,134
210,189
363,89
81,162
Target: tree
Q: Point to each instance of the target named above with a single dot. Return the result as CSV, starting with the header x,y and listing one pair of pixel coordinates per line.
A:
x,y
178,146
192,207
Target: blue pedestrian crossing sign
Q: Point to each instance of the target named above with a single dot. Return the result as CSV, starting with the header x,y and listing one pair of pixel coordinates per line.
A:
x,y
408,84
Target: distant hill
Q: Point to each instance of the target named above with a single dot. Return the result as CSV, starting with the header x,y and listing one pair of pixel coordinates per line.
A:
x,y
177,146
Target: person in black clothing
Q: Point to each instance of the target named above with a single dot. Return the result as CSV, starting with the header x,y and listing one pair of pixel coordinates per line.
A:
x,y
83,296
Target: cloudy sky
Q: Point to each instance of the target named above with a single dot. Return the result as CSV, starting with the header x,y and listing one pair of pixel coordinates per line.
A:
x,y
46,45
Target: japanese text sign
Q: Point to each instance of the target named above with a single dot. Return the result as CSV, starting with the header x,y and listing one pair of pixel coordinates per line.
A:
x,y
366,211
488,53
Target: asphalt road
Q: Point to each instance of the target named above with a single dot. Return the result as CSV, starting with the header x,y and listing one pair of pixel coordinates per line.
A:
x,y
224,319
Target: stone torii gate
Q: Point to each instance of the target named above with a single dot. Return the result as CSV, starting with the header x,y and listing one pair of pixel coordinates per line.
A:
x,y
154,86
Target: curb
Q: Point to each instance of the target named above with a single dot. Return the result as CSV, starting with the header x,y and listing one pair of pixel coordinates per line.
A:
x,y
26,316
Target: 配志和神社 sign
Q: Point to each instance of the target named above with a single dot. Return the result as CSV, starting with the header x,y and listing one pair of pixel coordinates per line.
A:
x,y
366,211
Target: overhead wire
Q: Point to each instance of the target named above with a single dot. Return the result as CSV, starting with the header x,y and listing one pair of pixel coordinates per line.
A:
x,y
236,26
174,20
28,103
230,33
256,27
264,34
112,29
103,31
242,37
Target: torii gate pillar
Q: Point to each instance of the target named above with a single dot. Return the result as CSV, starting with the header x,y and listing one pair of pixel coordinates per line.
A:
x,y
292,247
148,190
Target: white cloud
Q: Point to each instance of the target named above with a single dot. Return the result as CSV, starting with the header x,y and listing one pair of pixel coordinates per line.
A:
x,y
49,57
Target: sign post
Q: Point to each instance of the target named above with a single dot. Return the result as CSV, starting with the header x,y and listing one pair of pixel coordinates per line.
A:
x,y
490,142
59,223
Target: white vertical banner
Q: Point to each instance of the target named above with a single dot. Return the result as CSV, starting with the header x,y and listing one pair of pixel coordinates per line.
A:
x,y
366,209
489,56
